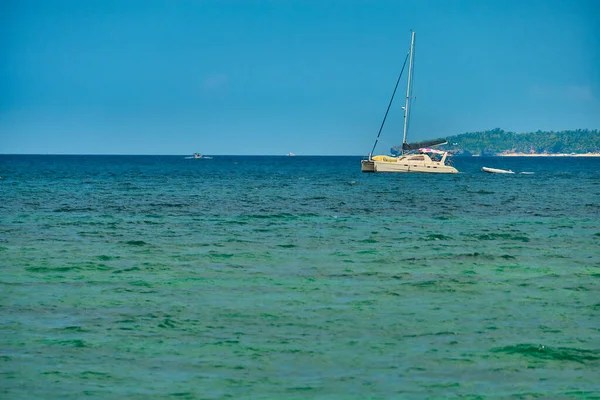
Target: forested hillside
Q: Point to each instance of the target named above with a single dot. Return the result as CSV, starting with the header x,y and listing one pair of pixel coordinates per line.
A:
x,y
498,141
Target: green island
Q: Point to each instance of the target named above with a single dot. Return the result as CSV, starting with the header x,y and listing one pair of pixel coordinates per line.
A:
x,y
497,142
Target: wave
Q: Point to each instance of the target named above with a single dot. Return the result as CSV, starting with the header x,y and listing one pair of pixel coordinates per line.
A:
x,y
135,243
551,353
74,209
502,236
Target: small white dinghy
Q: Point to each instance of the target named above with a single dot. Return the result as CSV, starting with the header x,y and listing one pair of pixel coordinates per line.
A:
x,y
496,170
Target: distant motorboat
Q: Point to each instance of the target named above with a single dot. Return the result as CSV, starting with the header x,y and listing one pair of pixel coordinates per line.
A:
x,y
291,154
496,171
198,156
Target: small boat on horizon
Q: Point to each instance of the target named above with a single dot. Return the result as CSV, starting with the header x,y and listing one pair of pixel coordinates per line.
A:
x,y
198,156
502,171
497,171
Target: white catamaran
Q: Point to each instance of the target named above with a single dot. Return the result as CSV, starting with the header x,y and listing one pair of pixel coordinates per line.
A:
x,y
415,157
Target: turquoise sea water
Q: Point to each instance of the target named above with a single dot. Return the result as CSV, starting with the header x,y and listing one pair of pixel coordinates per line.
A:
x,y
297,277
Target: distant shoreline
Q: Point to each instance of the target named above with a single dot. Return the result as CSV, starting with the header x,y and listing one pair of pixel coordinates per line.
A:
x,y
548,155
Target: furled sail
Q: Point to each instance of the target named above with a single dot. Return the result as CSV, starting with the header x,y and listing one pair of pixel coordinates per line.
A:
x,y
418,145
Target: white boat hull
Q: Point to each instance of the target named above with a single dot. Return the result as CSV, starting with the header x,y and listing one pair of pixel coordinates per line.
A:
x,y
404,164
496,171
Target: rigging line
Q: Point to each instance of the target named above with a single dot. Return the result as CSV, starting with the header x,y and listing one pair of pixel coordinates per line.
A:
x,y
389,105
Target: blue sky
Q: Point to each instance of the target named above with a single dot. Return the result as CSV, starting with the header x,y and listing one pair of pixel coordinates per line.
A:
x,y
279,76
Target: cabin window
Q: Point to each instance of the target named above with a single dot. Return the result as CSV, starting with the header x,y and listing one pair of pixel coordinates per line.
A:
x,y
417,158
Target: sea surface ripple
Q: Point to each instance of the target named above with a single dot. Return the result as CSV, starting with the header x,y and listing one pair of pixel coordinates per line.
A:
x,y
297,277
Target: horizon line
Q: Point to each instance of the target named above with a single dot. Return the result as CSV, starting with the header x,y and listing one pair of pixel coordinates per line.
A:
x,y
181,155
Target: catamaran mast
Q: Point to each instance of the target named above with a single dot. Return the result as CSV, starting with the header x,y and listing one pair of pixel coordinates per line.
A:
x,y
410,70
